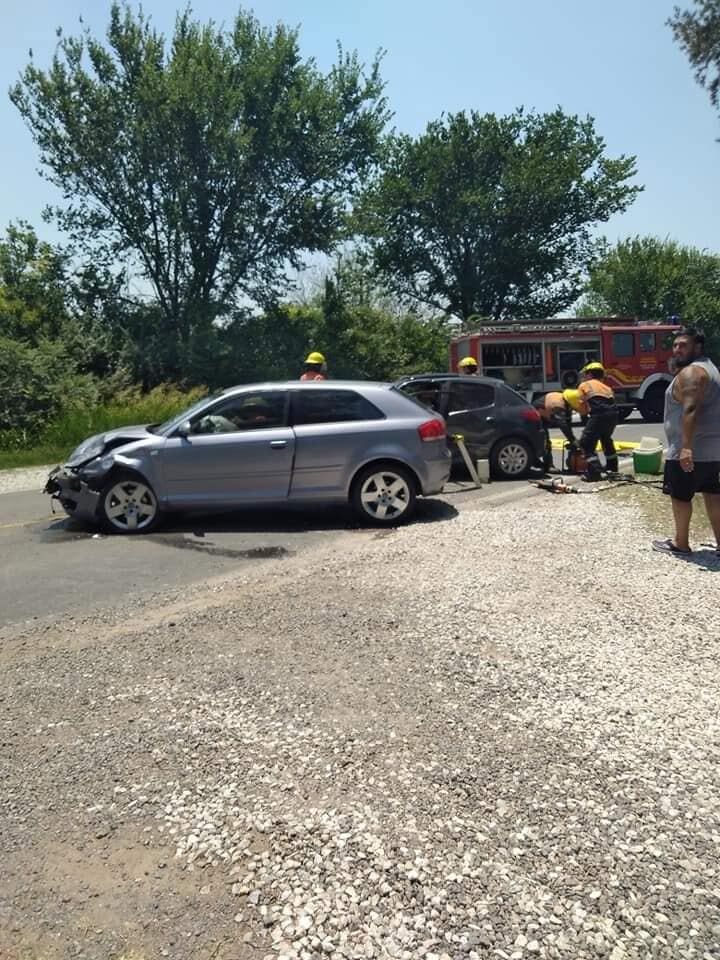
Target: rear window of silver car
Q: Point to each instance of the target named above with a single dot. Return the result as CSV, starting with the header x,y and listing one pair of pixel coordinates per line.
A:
x,y
332,406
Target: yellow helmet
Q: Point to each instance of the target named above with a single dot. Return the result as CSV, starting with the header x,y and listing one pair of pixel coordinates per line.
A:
x,y
315,357
594,367
573,398
468,362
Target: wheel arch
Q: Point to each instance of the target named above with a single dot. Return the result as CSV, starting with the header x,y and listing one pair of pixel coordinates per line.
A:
x,y
652,381
389,461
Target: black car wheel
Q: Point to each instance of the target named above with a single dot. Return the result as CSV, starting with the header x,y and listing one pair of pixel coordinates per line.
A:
x,y
511,459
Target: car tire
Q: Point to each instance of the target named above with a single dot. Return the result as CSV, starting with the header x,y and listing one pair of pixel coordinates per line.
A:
x,y
511,459
128,505
652,405
384,494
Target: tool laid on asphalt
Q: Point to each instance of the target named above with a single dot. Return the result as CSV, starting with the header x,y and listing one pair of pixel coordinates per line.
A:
x,y
459,439
557,485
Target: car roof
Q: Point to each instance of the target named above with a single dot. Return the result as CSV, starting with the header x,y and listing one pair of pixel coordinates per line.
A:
x,y
411,377
307,385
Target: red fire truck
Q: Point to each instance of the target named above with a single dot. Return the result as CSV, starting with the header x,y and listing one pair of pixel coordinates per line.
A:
x,y
535,356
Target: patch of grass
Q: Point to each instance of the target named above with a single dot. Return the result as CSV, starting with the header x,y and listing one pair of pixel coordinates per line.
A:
x,y
75,425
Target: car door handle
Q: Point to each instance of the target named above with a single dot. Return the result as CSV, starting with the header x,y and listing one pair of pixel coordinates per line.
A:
x,y
490,419
278,444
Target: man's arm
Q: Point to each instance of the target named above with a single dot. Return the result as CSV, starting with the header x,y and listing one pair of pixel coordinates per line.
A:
x,y
689,389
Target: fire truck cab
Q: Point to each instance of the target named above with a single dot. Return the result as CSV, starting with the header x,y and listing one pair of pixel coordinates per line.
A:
x,y
534,356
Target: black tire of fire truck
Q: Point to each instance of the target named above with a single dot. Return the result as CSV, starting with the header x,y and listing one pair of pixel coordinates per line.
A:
x,y
624,411
652,405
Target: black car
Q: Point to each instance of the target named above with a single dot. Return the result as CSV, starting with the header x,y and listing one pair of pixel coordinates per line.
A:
x,y
498,424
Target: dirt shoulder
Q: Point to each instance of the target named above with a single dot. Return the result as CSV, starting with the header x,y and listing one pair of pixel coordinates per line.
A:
x,y
494,736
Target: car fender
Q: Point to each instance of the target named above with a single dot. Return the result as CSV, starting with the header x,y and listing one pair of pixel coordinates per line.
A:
x,y
386,451
138,461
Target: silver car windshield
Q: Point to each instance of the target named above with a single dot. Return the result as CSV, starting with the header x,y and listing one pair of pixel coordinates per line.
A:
x,y
169,425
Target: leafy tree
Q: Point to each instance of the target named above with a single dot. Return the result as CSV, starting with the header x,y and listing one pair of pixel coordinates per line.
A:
x,y
698,33
655,279
37,382
493,215
32,287
44,300
208,164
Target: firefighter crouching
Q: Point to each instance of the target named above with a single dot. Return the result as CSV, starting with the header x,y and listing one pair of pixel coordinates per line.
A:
x,y
555,410
468,367
597,402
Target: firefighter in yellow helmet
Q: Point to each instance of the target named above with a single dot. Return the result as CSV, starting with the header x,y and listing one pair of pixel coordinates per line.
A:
x,y
597,402
315,367
555,411
468,367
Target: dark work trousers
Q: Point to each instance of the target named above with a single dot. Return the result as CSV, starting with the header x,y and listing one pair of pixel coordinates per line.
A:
x,y
600,426
561,423
548,456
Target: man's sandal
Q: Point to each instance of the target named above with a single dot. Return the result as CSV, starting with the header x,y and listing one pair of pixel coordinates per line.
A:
x,y
667,546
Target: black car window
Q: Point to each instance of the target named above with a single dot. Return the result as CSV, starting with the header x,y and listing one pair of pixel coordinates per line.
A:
x,y
470,396
248,411
426,392
332,406
511,398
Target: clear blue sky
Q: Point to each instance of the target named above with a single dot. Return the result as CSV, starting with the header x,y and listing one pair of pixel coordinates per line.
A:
x,y
615,60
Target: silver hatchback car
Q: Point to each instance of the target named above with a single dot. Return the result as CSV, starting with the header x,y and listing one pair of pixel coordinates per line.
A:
x,y
270,443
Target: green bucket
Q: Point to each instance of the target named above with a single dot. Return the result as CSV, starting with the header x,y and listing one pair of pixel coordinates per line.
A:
x,y
647,461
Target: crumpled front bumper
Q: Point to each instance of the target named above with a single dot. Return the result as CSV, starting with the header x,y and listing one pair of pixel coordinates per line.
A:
x,y
74,495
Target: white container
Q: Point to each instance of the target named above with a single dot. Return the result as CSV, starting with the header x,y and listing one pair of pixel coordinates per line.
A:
x,y
483,470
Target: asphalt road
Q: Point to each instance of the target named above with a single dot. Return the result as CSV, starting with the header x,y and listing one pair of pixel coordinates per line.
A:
x,y
50,565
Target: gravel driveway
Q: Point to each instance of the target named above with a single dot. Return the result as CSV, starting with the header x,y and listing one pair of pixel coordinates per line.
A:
x,y
494,736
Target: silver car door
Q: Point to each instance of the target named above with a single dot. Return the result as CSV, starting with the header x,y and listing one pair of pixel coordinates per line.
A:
x,y
333,429
238,451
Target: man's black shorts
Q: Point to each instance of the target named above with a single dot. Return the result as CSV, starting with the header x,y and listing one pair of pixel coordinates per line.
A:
x,y
679,485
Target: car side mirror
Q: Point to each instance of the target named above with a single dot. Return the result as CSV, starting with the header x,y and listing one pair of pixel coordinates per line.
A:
x,y
184,429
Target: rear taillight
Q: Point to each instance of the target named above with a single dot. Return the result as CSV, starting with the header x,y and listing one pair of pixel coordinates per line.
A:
x,y
432,430
531,414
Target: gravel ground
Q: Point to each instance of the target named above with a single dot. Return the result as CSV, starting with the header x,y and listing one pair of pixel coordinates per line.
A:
x,y
23,478
495,736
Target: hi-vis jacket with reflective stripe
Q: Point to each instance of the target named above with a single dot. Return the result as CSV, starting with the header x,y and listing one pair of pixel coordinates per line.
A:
x,y
596,396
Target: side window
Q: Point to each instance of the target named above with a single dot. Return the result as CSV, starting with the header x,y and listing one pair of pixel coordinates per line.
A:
x,y
647,343
249,411
623,344
332,406
470,396
426,392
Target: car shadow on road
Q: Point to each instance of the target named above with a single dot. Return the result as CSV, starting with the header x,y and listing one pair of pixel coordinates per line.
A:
x,y
284,519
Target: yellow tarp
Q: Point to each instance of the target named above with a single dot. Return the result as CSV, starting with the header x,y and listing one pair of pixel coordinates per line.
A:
x,y
559,442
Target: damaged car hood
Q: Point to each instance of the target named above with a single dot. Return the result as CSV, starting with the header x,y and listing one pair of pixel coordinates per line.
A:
x,y
101,443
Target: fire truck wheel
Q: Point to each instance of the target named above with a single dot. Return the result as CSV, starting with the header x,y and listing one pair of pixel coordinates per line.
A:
x,y
652,405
